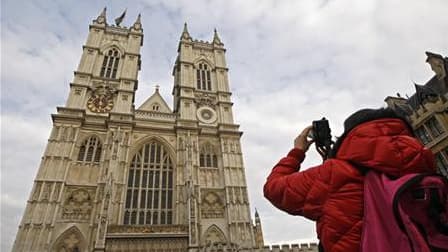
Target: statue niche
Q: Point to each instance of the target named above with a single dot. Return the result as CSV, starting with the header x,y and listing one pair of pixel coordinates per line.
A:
x,y
214,235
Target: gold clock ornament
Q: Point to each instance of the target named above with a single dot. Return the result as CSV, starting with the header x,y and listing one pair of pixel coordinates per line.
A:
x,y
101,100
100,103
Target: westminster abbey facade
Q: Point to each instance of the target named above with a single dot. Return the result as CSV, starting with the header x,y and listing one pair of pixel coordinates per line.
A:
x,y
114,177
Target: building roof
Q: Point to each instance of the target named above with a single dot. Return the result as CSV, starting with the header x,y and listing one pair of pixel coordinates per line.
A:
x,y
433,88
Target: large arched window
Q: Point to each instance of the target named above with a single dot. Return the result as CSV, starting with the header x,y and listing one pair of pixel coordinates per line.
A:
x,y
149,196
110,64
203,79
207,156
90,150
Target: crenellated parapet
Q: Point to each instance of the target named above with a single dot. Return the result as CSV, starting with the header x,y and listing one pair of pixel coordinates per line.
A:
x,y
302,247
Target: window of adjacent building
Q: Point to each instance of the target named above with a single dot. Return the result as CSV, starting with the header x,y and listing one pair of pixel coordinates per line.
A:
x,y
155,107
442,163
110,64
423,135
208,157
90,150
203,79
434,127
149,196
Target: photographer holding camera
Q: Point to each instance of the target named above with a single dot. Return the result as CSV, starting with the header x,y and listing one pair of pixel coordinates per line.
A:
x,y
332,193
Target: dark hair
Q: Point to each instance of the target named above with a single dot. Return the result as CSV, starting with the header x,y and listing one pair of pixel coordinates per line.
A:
x,y
363,116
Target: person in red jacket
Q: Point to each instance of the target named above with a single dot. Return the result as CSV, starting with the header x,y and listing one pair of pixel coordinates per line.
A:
x,y
332,193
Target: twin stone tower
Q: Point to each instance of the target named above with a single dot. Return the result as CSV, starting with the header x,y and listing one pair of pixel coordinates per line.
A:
x,y
155,178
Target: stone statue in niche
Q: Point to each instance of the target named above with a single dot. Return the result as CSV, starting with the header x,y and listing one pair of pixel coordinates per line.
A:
x,y
77,206
57,189
70,244
214,235
46,192
70,241
37,191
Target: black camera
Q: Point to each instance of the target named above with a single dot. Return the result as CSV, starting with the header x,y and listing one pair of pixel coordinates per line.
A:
x,y
321,134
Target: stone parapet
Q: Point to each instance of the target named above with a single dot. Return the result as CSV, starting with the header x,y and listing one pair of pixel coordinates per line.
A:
x,y
303,247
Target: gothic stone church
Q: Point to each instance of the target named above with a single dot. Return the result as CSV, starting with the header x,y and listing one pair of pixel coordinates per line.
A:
x,y
155,178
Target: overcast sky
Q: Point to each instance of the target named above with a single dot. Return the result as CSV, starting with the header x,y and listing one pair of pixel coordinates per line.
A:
x,y
290,62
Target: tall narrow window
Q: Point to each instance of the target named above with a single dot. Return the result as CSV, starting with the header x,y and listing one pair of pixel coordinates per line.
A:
x,y
208,157
110,64
150,188
423,135
90,150
434,127
442,163
203,80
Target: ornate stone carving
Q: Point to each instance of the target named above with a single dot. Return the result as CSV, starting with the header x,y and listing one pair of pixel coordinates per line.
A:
x,y
214,235
212,204
209,100
114,229
78,205
70,241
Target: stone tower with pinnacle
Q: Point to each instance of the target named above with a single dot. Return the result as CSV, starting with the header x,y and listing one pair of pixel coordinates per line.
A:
x,y
118,178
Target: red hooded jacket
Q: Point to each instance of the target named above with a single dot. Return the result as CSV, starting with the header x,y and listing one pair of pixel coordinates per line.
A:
x,y
332,193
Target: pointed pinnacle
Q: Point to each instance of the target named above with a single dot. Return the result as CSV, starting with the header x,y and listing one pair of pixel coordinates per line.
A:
x,y
185,34
101,19
216,38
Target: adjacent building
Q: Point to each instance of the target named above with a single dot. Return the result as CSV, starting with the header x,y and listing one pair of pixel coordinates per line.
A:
x,y
427,110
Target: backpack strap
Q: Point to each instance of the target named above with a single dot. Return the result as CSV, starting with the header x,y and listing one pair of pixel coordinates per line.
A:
x,y
435,209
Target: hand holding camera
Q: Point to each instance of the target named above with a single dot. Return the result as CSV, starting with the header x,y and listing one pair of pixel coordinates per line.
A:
x,y
320,134
302,141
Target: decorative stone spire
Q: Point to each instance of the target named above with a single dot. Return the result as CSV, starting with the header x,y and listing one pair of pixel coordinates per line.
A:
x,y
216,39
119,19
101,19
137,26
157,88
185,35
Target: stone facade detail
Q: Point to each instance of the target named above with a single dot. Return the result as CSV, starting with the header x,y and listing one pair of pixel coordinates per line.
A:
x,y
212,204
77,206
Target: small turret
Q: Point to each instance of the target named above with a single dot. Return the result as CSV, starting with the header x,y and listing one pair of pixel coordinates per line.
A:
x,y
120,19
216,39
101,19
185,35
258,231
137,26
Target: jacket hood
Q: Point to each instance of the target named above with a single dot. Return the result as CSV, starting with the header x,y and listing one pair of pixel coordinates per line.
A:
x,y
386,145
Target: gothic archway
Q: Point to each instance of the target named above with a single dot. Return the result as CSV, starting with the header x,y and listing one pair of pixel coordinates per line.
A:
x,y
71,240
214,235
